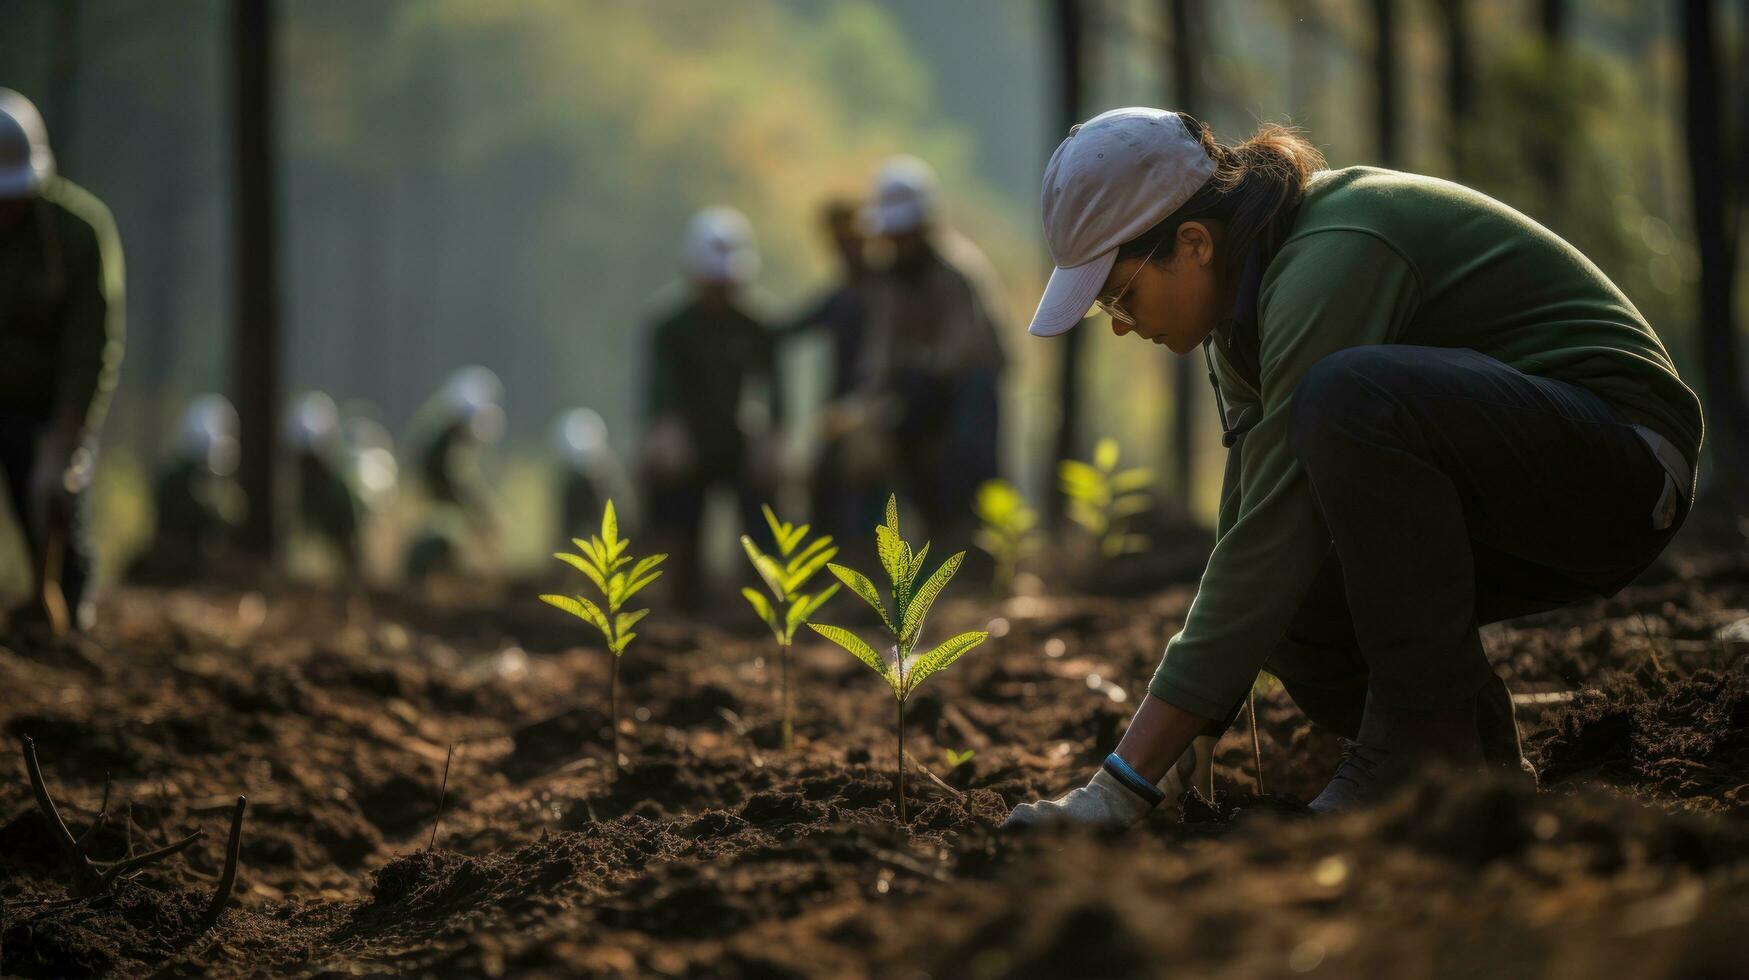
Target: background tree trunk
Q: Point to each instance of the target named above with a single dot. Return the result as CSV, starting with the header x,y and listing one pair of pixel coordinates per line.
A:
x,y
1070,31
1186,36
1548,157
1460,80
1714,224
1385,80
255,351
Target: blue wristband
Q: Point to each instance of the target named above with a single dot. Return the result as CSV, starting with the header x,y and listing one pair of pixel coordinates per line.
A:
x,y
1133,781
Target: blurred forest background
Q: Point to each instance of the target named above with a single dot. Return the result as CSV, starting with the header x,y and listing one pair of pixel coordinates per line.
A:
x,y
479,181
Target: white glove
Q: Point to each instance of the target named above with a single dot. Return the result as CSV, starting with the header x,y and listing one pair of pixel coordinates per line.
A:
x,y
1103,802
1106,800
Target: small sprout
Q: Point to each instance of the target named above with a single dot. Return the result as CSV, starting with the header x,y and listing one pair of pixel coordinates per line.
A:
x,y
898,665
1102,499
604,562
788,607
958,757
1009,532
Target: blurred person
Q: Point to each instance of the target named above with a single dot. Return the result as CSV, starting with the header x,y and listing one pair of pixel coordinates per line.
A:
x,y
449,437
1439,415
325,505
935,356
713,402
589,474
200,505
61,311
847,490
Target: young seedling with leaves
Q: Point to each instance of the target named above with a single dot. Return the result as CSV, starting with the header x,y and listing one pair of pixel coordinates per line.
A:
x,y
900,666
785,575
1102,498
604,561
1010,530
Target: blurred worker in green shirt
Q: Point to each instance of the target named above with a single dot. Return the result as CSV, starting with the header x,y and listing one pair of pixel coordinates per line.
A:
x,y
60,351
713,403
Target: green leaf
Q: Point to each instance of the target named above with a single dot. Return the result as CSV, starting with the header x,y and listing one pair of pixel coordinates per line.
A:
x,y
761,605
804,607
853,643
616,591
1130,481
764,565
1105,455
919,607
940,658
955,758
1088,516
581,608
609,526
1078,479
583,565
798,576
636,585
625,621
778,528
796,535
813,548
618,646
1130,505
859,584
892,554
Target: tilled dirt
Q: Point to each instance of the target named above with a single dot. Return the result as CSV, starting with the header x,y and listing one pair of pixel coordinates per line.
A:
x,y
715,853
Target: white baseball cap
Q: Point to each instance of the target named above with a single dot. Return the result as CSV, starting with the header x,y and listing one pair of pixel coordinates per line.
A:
x,y
719,247
26,162
1116,176
906,197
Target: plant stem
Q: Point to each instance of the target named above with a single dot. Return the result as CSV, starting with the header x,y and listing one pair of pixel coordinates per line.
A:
x,y
1256,738
788,724
901,705
613,719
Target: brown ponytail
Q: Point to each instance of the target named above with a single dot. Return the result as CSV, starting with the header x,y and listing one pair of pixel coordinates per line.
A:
x,y
1256,187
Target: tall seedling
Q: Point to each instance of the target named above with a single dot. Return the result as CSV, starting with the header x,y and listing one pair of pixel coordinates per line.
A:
x,y
785,575
901,667
1009,531
604,561
1102,498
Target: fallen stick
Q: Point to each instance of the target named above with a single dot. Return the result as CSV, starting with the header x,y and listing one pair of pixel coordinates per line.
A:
x,y
228,877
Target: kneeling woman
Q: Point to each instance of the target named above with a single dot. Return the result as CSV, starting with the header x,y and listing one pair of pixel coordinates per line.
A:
x,y
1438,413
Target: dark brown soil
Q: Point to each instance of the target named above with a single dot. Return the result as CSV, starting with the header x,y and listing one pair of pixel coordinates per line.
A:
x,y
716,854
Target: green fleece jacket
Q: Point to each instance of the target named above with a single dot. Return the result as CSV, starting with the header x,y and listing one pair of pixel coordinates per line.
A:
x,y
1378,257
61,309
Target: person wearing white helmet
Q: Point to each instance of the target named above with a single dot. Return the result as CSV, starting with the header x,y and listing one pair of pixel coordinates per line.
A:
x,y
60,350
935,358
326,507
712,403
1438,413
199,504
589,474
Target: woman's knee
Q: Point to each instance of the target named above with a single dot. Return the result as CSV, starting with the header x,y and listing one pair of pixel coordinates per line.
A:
x,y
1341,392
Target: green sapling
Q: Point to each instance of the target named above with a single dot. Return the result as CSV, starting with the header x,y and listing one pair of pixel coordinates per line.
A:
x,y
604,561
788,607
1102,499
1009,532
901,667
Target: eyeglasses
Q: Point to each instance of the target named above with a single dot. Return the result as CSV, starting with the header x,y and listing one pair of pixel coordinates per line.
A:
x,y
1110,306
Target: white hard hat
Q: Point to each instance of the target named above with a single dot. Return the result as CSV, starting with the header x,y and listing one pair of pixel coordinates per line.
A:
x,y
313,423
1115,176
25,159
719,248
906,197
579,435
209,432
475,396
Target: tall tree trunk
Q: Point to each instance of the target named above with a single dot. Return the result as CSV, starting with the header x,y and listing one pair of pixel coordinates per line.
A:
x,y
1547,150
1714,212
63,79
1385,80
1069,34
1460,80
1187,34
255,350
